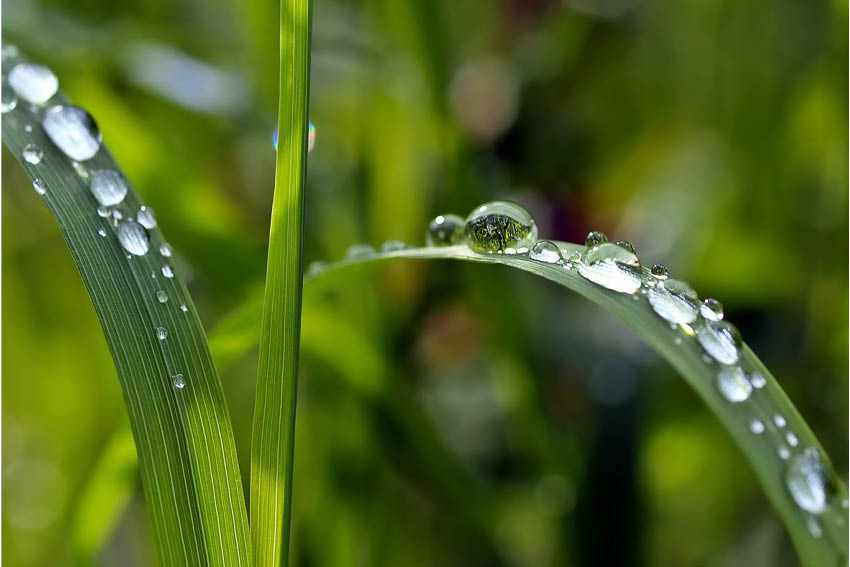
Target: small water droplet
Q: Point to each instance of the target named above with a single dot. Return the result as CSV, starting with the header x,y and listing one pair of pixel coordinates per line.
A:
x,y
733,384
161,296
161,333
659,271
814,527
545,251
611,266
393,246
757,380
32,154
108,186
27,128
316,267
145,217
721,340
845,503
783,453
153,275
806,481
711,309
8,50
104,212
178,381
8,100
677,340
627,245
73,130
39,186
446,230
165,250
500,227
134,238
791,439
183,308
33,83
358,251
167,271
757,427
101,232
779,420
595,238
117,215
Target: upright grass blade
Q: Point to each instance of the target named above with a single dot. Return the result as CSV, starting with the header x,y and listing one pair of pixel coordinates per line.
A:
x,y
273,435
174,398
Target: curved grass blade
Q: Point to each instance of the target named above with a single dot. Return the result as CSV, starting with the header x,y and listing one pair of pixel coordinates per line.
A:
x,y
174,398
273,435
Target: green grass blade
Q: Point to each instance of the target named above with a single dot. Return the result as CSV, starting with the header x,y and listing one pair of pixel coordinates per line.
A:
x,y
183,435
273,435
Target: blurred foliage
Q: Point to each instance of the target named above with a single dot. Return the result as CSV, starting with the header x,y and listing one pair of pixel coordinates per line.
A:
x,y
488,420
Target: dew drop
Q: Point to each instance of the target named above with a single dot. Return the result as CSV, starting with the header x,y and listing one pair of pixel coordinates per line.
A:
x,y
73,130
784,453
446,230
791,439
183,308
8,100
806,481
101,232
721,340
178,381
672,307
145,217
8,50
545,251
39,186
627,245
779,420
32,154
500,227
27,128
814,527
108,186
733,384
757,380
134,238
161,333
358,251
316,267
711,309
104,212
311,137
165,250
611,266
659,271
757,427
392,246
118,215
33,83
167,271
161,296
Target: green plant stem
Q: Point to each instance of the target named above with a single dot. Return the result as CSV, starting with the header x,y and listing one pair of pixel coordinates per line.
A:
x,y
273,439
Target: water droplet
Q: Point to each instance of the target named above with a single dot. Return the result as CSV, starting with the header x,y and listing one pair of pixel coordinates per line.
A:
x,y
659,271
183,308
117,215
145,217
165,250
673,307
711,309
757,380
178,381
446,230
608,251
27,128
32,154
153,275
39,186
611,266
8,100
161,333
783,453
627,245
791,439
500,227
73,130
392,246
167,271
161,296
8,50
316,267
733,384
845,503
545,251
806,481
357,251
594,238
109,187
101,232
779,420
104,212
311,137
721,340
134,238
757,427
814,527
33,83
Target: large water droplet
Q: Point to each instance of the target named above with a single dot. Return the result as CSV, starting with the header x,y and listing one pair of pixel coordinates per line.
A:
x,y
39,186
446,230
358,251
145,217
73,130
545,251
500,227
733,384
32,154
109,187
594,238
167,271
161,333
611,266
33,83
134,238
392,246
8,100
178,381
721,340
711,309
673,303
161,296
806,481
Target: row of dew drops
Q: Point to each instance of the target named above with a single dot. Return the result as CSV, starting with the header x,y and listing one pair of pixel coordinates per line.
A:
x,y
74,131
503,227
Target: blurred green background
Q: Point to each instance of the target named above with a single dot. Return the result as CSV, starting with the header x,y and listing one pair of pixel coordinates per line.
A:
x,y
451,414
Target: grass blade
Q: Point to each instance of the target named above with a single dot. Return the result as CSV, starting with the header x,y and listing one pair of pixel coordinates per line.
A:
x,y
273,436
183,436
